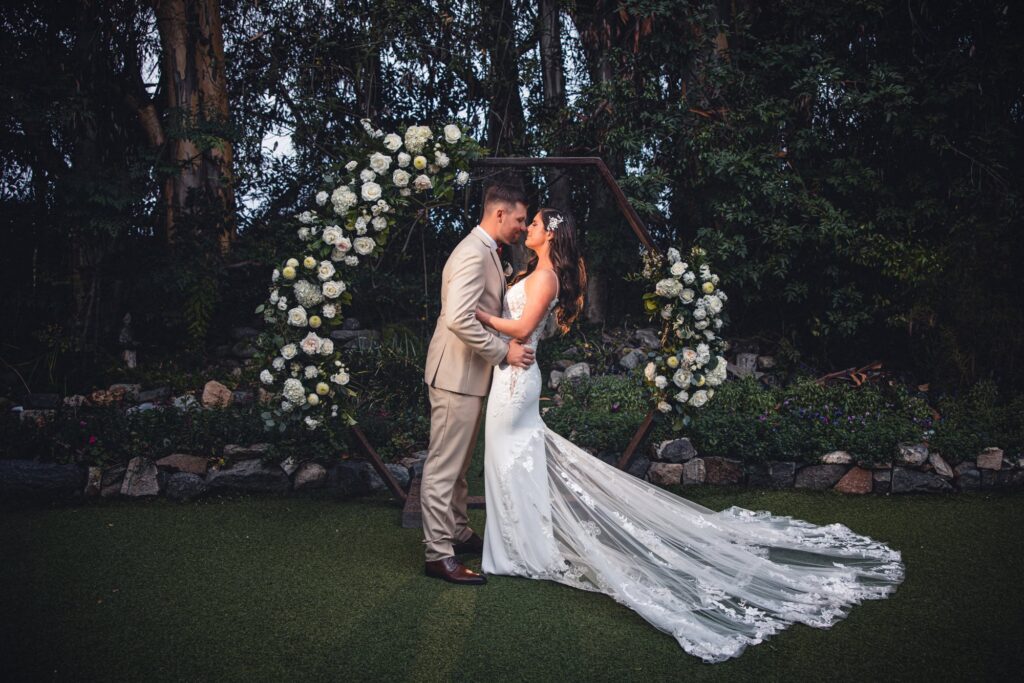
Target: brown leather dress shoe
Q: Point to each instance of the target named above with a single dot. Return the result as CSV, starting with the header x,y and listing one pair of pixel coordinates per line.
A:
x,y
473,544
453,571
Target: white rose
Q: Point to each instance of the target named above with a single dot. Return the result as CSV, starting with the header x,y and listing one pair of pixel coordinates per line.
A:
x,y
297,317
673,255
441,159
700,324
379,223
341,377
291,263
405,192
664,407
343,245
274,296
380,163
282,304
310,344
321,198
660,381
422,182
461,178
392,142
682,396
330,310
307,217
452,133
350,166
650,371
326,347
689,277
689,356
682,378
363,245
371,191
400,178
278,363
310,371
687,294
366,175
332,289
332,234
351,260
404,159
325,271
266,377
699,398
677,269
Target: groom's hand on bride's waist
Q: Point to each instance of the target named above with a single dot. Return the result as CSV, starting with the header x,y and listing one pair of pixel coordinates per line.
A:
x,y
519,355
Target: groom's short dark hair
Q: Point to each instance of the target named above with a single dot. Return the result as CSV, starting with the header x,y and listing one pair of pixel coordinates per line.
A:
x,y
504,194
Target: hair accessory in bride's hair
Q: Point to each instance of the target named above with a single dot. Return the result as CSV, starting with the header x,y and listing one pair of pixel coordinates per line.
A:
x,y
553,222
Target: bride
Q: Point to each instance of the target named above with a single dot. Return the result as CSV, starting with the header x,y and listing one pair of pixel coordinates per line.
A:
x,y
716,581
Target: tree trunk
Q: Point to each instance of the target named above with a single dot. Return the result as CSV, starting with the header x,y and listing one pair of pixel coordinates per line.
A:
x,y
192,43
553,80
505,119
506,122
600,29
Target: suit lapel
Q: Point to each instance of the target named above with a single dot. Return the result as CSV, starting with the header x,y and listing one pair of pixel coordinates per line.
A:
x,y
501,273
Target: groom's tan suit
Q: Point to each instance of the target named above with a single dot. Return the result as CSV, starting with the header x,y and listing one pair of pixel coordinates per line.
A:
x,y
460,360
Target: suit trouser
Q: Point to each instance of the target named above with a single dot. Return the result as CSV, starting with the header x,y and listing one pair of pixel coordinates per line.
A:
x,y
454,425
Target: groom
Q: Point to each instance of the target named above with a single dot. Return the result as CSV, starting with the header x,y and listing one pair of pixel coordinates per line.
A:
x,y
460,359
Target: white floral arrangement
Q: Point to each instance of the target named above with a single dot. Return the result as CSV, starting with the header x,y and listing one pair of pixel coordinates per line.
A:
x,y
385,181
683,375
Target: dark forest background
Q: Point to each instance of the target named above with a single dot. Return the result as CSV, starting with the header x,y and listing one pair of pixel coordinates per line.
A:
x,y
853,167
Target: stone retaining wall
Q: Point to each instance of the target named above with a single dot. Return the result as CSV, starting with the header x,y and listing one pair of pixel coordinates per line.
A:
x,y
915,469
183,476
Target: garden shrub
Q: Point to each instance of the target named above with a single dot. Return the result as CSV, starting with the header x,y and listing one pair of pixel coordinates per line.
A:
x,y
976,420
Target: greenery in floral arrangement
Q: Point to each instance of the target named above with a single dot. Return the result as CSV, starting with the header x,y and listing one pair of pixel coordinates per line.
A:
x,y
979,419
683,374
387,179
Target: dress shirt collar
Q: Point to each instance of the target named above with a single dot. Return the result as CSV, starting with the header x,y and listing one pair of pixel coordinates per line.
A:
x,y
487,238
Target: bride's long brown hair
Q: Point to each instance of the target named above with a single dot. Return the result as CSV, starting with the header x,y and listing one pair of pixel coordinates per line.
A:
x,y
569,267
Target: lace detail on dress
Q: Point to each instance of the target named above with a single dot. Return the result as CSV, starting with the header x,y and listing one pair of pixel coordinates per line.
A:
x,y
716,581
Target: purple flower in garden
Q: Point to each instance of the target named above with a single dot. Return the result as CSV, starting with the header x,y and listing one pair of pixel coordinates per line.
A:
x,y
615,407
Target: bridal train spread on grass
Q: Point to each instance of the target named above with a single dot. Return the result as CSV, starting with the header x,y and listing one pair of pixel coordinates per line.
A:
x,y
716,581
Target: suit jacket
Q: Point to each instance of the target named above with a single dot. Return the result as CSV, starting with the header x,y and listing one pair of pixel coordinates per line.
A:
x,y
462,351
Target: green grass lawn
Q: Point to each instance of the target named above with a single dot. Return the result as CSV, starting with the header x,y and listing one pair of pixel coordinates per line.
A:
x,y
274,588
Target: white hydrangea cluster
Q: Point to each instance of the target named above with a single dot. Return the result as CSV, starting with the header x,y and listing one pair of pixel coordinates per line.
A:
x,y
687,299
385,182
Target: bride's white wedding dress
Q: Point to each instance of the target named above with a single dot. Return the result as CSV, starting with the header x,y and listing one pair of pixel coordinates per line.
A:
x,y
715,581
